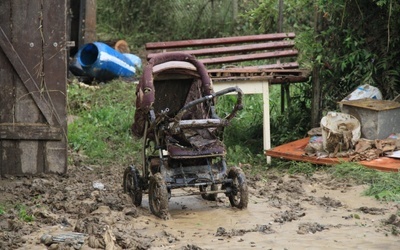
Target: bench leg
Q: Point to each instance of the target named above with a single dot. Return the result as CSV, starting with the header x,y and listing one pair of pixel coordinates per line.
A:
x,y
266,124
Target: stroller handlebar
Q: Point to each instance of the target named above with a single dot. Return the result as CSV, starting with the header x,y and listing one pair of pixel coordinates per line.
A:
x,y
238,105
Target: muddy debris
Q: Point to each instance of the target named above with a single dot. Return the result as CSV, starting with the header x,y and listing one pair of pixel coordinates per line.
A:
x,y
372,210
393,220
221,231
191,247
288,216
311,228
328,202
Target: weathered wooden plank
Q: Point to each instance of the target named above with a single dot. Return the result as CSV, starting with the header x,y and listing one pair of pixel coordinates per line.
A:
x,y
257,70
11,158
7,85
289,65
27,78
7,93
26,131
249,57
234,49
273,67
26,41
55,76
219,41
268,78
90,21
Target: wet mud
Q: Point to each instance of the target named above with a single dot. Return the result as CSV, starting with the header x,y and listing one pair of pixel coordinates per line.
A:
x,y
87,209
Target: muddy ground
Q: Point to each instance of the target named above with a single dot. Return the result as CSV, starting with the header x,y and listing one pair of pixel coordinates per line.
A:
x,y
284,212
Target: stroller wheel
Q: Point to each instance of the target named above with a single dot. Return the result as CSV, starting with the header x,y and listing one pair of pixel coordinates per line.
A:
x,y
131,184
238,195
158,196
209,197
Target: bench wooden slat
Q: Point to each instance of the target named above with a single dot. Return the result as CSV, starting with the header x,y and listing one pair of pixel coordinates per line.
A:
x,y
269,78
257,70
249,57
219,41
273,75
290,65
233,49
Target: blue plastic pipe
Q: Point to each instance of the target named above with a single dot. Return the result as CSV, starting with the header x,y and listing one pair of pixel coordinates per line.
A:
x,y
104,63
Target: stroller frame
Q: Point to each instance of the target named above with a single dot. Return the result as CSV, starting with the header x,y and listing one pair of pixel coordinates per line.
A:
x,y
179,151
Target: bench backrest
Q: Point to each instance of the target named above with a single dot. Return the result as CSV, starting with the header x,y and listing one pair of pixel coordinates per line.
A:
x,y
231,49
272,53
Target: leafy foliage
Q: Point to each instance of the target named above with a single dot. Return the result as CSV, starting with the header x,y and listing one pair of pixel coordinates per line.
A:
x,y
360,45
144,21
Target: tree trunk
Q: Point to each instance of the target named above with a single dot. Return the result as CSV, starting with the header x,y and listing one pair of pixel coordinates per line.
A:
x,y
316,84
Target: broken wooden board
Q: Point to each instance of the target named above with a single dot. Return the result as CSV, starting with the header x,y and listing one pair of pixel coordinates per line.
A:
x,y
295,151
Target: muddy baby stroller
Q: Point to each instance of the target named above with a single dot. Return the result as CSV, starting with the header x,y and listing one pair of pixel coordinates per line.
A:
x,y
182,136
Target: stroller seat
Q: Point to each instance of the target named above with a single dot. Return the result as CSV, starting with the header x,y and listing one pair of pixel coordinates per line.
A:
x,y
200,147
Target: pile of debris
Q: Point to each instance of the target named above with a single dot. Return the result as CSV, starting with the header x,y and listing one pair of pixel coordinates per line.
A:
x,y
363,150
366,128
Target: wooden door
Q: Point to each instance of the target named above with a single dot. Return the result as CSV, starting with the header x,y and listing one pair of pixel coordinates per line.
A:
x,y
33,96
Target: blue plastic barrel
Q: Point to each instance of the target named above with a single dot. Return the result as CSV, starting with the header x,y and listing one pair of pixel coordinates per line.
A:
x,y
104,63
134,59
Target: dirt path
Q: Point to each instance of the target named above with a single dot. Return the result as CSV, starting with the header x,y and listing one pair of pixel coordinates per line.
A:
x,y
285,212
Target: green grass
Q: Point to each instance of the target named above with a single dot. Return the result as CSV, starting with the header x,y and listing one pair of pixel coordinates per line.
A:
x,y
305,168
23,214
102,130
384,186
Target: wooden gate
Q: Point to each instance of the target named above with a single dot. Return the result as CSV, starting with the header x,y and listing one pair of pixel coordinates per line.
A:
x,y
33,74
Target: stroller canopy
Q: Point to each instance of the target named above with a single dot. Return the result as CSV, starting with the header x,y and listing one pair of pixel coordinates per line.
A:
x,y
182,63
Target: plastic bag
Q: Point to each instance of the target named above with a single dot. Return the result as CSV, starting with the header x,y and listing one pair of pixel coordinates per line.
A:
x,y
364,91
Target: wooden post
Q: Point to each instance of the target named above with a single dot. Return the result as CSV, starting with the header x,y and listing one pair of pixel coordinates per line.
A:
x,y
90,22
82,23
316,84
235,10
280,17
284,87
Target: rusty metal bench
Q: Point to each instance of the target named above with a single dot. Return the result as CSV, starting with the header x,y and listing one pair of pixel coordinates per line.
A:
x,y
249,62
